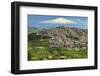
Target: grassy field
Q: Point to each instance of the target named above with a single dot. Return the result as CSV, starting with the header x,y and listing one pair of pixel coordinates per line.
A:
x,y
38,49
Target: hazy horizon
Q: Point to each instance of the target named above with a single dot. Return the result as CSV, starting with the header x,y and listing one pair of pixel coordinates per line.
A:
x,y
49,21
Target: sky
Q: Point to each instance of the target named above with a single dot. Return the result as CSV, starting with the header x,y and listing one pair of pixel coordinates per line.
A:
x,y
50,21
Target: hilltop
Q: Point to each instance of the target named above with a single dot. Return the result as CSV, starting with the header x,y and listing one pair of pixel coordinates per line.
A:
x,y
66,37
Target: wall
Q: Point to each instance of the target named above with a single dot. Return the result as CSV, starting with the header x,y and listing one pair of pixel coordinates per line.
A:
x,y
5,27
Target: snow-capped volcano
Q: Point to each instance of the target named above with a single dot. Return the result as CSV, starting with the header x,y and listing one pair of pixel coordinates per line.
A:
x,y
59,21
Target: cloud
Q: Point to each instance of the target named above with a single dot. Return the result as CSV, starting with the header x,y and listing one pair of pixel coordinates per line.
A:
x,y
59,21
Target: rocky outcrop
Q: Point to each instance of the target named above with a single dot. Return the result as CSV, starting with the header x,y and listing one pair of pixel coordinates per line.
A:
x,y
66,37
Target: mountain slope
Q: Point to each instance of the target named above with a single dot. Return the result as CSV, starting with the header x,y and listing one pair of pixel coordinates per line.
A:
x,y
66,37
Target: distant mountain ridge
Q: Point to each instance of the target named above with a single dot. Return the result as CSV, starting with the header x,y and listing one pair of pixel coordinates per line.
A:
x,y
32,29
